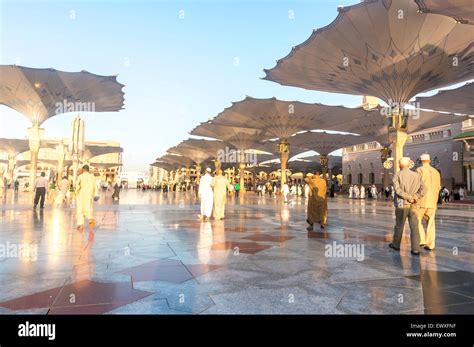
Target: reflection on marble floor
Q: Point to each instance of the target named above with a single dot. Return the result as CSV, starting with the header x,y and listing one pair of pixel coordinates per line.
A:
x,y
151,255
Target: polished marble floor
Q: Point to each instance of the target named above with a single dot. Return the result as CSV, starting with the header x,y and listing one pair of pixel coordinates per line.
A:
x,y
150,255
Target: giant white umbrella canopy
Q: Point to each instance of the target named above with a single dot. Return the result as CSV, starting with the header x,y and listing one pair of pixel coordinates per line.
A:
x,y
175,159
281,119
381,48
40,94
240,138
13,147
198,150
461,10
333,160
92,151
324,143
458,100
165,165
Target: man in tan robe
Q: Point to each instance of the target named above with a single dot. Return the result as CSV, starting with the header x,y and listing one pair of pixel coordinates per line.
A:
x,y
220,185
428,203
86,190
317,200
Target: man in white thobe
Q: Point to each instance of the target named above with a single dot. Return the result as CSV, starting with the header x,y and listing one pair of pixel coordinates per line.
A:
x,y
428,203
206,195
86,190
220,186
285,190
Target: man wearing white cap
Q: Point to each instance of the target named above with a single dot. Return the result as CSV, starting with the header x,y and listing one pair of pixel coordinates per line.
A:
x,y
206,195
428,203
409,189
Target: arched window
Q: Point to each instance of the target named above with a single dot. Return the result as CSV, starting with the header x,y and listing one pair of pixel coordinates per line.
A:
x,y
371,178
349,179
360,178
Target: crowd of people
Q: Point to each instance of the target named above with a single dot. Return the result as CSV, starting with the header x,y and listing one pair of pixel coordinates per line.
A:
x,y
415,195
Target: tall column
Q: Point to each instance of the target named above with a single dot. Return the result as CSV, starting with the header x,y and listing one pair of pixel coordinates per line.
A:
x,y
324,161
198,173
77,145
242,172
217,164
35,134
398,136
399,139
61,154
11,166
284,150
384,155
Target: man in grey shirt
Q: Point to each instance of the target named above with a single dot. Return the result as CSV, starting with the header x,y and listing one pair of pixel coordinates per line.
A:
x,y
409,188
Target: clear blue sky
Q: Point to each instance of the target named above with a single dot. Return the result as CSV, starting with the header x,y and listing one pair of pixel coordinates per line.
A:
x,y
177,72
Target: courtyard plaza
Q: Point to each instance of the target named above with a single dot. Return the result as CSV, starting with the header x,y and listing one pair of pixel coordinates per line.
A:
x,y
151,255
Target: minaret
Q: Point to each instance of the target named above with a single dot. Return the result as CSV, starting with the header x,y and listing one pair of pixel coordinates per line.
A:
x,y
77,145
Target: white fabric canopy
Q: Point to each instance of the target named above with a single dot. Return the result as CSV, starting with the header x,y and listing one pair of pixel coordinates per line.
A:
x,y
43,93
459,100
381,48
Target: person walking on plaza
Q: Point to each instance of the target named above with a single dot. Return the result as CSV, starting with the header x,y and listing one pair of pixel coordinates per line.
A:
x,y
409,189
374,192
220,186
237,189
116,193
446,194
285,190
16,185
40,190
317,203
428,203
86,192
206,195
64,188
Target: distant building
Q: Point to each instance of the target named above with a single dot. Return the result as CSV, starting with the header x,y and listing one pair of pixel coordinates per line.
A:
x,y
450,155
134,179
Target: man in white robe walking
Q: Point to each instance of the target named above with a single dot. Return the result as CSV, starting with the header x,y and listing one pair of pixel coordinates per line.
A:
x,y
206,195
86,192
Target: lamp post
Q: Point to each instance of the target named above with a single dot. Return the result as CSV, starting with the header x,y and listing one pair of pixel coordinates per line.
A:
x,y
242,171
76,147
284,150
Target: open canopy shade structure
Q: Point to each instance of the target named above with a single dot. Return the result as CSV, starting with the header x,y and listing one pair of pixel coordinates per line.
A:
x,y
458,100
239,138
281,119
13,147
382,48
334,161
461,10
373,126
324,143
165,165
198,150
40,94
92,151
175,159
